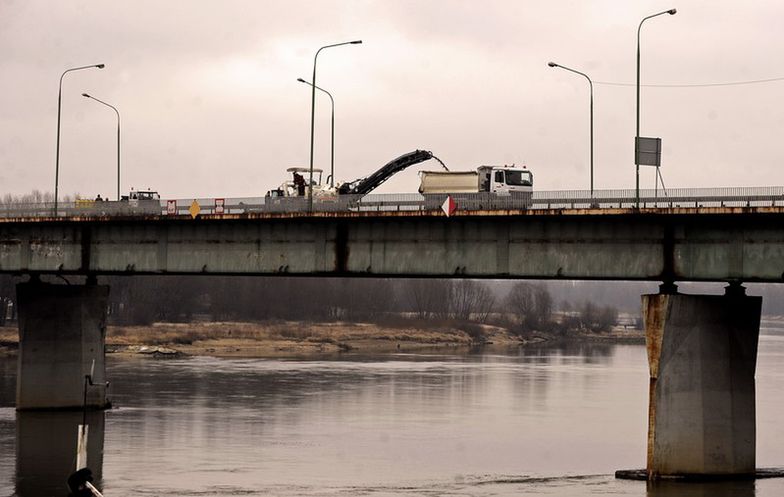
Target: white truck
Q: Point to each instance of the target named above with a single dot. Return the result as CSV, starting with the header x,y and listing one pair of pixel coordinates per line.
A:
x,y
495,179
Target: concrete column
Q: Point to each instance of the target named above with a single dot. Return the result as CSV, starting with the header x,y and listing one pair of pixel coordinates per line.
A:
x,y
46,450
62,330
669,488
702,352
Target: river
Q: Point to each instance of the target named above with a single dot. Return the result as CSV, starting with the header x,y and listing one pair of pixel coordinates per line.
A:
x,y
548,420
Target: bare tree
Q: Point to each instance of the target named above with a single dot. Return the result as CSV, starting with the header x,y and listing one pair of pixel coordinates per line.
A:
x,y
430,298
34,197
588,315
520,301
600,319
366,299
532,304
608,317
471,299
543,306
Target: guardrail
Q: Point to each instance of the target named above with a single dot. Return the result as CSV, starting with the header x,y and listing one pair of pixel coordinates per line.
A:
x,y
566,199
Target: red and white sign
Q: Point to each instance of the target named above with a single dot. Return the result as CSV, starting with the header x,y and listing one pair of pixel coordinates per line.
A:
x,y
219,203
171,207
448,206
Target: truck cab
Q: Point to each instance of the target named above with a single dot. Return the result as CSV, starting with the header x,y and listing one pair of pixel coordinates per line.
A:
x,y
145,195
505,179
142,195
141,202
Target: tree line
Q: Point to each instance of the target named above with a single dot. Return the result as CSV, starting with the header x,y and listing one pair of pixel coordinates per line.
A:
x,y
34,197
142,300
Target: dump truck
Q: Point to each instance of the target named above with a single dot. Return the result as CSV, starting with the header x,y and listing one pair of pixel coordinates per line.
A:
x,y
496,179
501,180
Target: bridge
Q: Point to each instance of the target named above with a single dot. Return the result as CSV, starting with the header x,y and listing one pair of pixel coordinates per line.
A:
x,y
702,348
770,196
719,237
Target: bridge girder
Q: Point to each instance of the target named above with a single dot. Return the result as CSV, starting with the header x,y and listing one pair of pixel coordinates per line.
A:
x,y
729,244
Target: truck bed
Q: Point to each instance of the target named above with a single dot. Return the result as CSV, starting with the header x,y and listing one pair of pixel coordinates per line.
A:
x,y
448,182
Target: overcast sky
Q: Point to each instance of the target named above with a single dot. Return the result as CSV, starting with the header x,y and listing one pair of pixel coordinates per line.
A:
x,y
211,107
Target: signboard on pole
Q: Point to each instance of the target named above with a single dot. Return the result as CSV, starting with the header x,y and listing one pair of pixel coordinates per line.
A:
x,y
171,207
219,203
648,151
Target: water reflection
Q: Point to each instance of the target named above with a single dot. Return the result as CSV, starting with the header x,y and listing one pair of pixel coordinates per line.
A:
x,y
7,381
585,351
701,489
402,418
46,450
555,420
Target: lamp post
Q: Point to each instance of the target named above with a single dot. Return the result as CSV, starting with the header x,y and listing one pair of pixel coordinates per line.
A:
x,y
59,106
118,137
332,161
590,83
637,134
313,114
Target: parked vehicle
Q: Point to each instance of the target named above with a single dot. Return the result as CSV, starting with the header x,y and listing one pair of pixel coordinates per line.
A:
x,y
142,195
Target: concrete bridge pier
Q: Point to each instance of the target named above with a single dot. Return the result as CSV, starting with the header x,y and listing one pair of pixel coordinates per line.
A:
x,y
702,353
46,445
62,330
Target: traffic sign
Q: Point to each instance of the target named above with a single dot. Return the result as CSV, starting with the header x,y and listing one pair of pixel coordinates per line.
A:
x,y
448,206
194,209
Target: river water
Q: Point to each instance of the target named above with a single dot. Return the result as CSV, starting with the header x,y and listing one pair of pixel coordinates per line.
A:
x,y
554,420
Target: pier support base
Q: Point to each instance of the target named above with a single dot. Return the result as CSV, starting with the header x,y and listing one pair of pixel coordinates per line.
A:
x,y
702,353
46,449
62,330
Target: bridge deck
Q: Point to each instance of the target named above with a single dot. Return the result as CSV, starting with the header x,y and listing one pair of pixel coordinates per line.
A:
x,y
679,243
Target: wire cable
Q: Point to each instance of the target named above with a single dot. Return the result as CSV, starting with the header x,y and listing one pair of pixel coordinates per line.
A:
x,y
696,85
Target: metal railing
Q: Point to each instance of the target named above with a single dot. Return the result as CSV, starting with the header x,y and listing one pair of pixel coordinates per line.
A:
x,y
565,199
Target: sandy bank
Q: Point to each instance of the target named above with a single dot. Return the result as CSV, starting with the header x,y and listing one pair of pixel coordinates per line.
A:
x,y
301,339
294,339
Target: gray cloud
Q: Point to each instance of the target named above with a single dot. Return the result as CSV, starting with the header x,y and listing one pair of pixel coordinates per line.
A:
x,y
211,106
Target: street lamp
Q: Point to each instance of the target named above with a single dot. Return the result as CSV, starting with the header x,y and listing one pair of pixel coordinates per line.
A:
x,y
59,106
313,114
637,135
118,138
590,83
332,162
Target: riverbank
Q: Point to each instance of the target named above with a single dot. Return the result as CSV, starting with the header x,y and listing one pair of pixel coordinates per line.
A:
x,y
279,339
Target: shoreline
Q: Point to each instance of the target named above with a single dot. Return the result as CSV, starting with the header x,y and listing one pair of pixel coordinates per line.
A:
x,y
295,339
